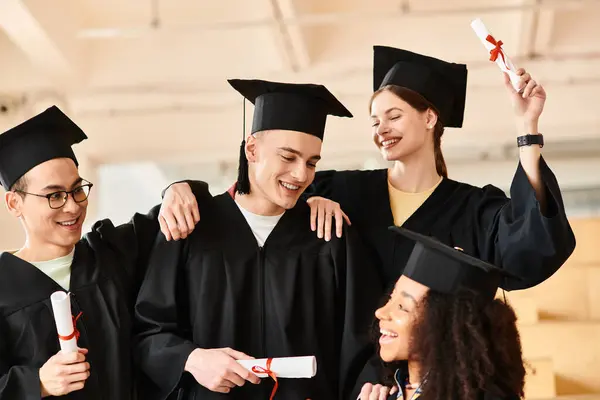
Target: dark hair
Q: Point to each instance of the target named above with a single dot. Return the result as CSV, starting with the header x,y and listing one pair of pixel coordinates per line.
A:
x,y
419,103
19,185
466,344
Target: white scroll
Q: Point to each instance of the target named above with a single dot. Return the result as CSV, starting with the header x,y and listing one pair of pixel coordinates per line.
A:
x,y
494,48
61,306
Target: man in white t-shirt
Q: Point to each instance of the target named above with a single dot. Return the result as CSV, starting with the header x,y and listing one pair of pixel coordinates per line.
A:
x,y
253,280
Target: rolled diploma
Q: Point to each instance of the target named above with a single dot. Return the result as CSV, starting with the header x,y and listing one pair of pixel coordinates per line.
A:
x,y
482,32
61,306
285,367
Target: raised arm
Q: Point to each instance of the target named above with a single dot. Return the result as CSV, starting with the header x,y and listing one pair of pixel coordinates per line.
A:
x,y
529,234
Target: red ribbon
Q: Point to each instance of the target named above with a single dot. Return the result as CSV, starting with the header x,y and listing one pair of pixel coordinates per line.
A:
x,y
497,50
75,333
261,370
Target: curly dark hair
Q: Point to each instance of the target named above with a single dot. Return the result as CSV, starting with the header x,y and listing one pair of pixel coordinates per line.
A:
x,y
466,344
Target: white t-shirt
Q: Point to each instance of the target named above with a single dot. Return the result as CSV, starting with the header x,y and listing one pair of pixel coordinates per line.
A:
x,y
58,269
261,225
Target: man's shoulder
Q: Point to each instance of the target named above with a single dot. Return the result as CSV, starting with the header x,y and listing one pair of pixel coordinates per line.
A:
x,y
302,213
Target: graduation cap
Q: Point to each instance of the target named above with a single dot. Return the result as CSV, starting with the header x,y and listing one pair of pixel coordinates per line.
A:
x,y
441,83
46,136
285,106
448,270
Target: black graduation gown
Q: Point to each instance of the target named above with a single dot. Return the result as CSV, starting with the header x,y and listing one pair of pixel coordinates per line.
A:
x,y
105,276
295,296
510,233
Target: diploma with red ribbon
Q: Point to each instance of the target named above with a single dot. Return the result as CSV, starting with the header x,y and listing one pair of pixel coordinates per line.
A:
x,y
65,322
285,367
496,52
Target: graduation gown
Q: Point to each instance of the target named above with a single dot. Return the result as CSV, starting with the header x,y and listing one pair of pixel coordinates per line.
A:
x,y
105,276
509,233
295,296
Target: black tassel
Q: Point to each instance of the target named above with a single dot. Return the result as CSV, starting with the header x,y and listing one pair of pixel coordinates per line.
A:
x,y
243,181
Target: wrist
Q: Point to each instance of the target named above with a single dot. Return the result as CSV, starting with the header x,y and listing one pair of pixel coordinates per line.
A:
x,y
530,140
43,392
164,192
527,127
189,362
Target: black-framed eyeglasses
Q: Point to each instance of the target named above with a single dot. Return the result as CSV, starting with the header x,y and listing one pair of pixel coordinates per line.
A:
x,y
58,199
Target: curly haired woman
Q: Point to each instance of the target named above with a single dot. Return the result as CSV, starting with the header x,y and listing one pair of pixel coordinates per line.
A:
x,y
443,335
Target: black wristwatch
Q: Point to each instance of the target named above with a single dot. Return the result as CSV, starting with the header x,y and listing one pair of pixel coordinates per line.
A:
x,y
528,140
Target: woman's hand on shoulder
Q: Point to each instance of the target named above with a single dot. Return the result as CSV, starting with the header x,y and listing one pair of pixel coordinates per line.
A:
x,y
322,213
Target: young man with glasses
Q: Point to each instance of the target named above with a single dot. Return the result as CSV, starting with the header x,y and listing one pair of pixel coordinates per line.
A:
x,y
102,272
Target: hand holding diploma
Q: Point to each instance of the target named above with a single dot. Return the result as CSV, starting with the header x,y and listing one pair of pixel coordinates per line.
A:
x,y
64,373
528,103
217,369
220,370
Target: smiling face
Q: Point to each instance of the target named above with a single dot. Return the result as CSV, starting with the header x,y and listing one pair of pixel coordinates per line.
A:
x,y
282,165
46,226
397,319
399,130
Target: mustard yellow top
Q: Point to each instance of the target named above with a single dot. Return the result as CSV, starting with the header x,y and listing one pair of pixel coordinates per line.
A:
x,y
404,204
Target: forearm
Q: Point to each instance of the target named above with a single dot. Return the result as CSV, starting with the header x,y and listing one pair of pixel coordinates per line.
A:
x,y
156,351
530,160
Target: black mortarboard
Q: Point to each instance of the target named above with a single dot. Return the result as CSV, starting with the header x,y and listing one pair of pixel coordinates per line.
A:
x,y
285,106
290,106
447,270
443,84
44,137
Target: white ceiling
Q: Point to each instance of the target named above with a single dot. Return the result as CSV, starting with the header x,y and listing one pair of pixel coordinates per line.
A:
x,y
147,79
